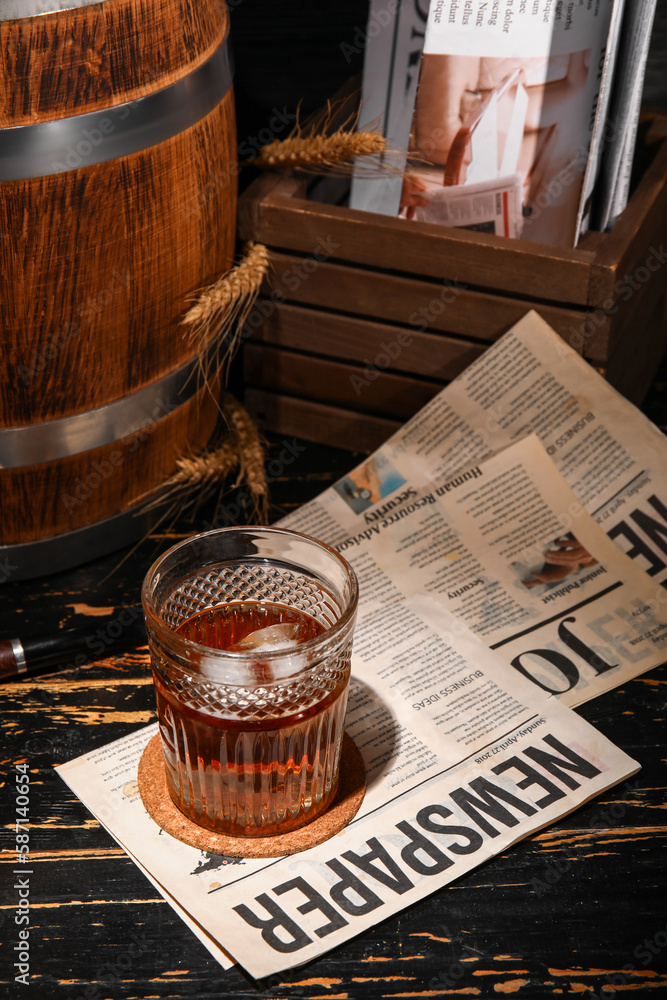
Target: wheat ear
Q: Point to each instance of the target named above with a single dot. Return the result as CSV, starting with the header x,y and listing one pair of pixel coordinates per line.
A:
x,y
251,455
222,308
197,477
319,152
325,151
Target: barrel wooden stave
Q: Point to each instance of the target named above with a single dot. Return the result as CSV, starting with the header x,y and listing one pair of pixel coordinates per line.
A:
x,y
101,261
55,497
152,228
88,58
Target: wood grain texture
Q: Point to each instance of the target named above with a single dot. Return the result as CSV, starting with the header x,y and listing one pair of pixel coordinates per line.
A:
x,y
361,271
349,338
412,302
101,263
562,914
73,61
41,501
639,349
334,382
318,422
511,266
638,230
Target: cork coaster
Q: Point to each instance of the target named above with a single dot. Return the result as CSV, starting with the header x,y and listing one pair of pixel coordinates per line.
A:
x,y
159,805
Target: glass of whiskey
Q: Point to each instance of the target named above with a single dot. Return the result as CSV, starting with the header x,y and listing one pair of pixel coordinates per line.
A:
x,y
250,633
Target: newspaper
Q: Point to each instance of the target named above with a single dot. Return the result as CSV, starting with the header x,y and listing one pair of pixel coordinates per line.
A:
x,y
464,758
530,381
615,462
506,87
519,77
597,153
486,207
506,547
467,748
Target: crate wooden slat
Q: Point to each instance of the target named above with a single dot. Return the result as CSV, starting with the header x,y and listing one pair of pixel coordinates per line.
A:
x,y
336,382
319,422
639,352
409,301
369,343
281,216
641,227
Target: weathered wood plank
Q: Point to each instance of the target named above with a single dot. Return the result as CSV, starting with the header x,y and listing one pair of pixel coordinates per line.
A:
x,y
317,422
412,302
337,335
336,383
283,220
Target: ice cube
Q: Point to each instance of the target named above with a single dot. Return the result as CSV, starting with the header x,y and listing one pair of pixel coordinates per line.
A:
x,y
285,636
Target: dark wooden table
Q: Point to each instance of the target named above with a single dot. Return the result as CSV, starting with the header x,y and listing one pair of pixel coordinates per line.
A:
x,y
577,910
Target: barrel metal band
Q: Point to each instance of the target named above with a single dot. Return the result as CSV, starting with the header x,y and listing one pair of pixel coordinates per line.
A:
x,y
60,552
11,10
50,440
52,147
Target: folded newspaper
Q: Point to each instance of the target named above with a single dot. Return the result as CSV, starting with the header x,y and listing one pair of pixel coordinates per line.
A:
x,y
493,596
505,109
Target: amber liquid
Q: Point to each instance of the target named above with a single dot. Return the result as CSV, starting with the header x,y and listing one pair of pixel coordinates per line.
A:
x,y
253,771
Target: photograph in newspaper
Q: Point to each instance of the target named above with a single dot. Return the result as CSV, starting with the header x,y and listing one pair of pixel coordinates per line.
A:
x,y
507,97
369,483
464,757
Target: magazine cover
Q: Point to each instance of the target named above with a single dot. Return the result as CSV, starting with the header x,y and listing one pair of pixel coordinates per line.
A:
x,y
393,42
504,114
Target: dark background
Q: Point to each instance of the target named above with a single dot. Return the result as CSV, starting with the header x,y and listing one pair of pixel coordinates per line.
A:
x,y
289,54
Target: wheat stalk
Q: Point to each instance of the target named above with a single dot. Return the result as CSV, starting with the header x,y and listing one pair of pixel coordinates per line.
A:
x,y
203,470
251,454
234,287
221,309
313,147
320,152
198,476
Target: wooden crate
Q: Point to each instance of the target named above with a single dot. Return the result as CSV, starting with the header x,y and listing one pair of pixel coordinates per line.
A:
x,y
366,317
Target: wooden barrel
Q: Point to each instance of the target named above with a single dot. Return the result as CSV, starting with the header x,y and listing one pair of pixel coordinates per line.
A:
x,y
117,203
